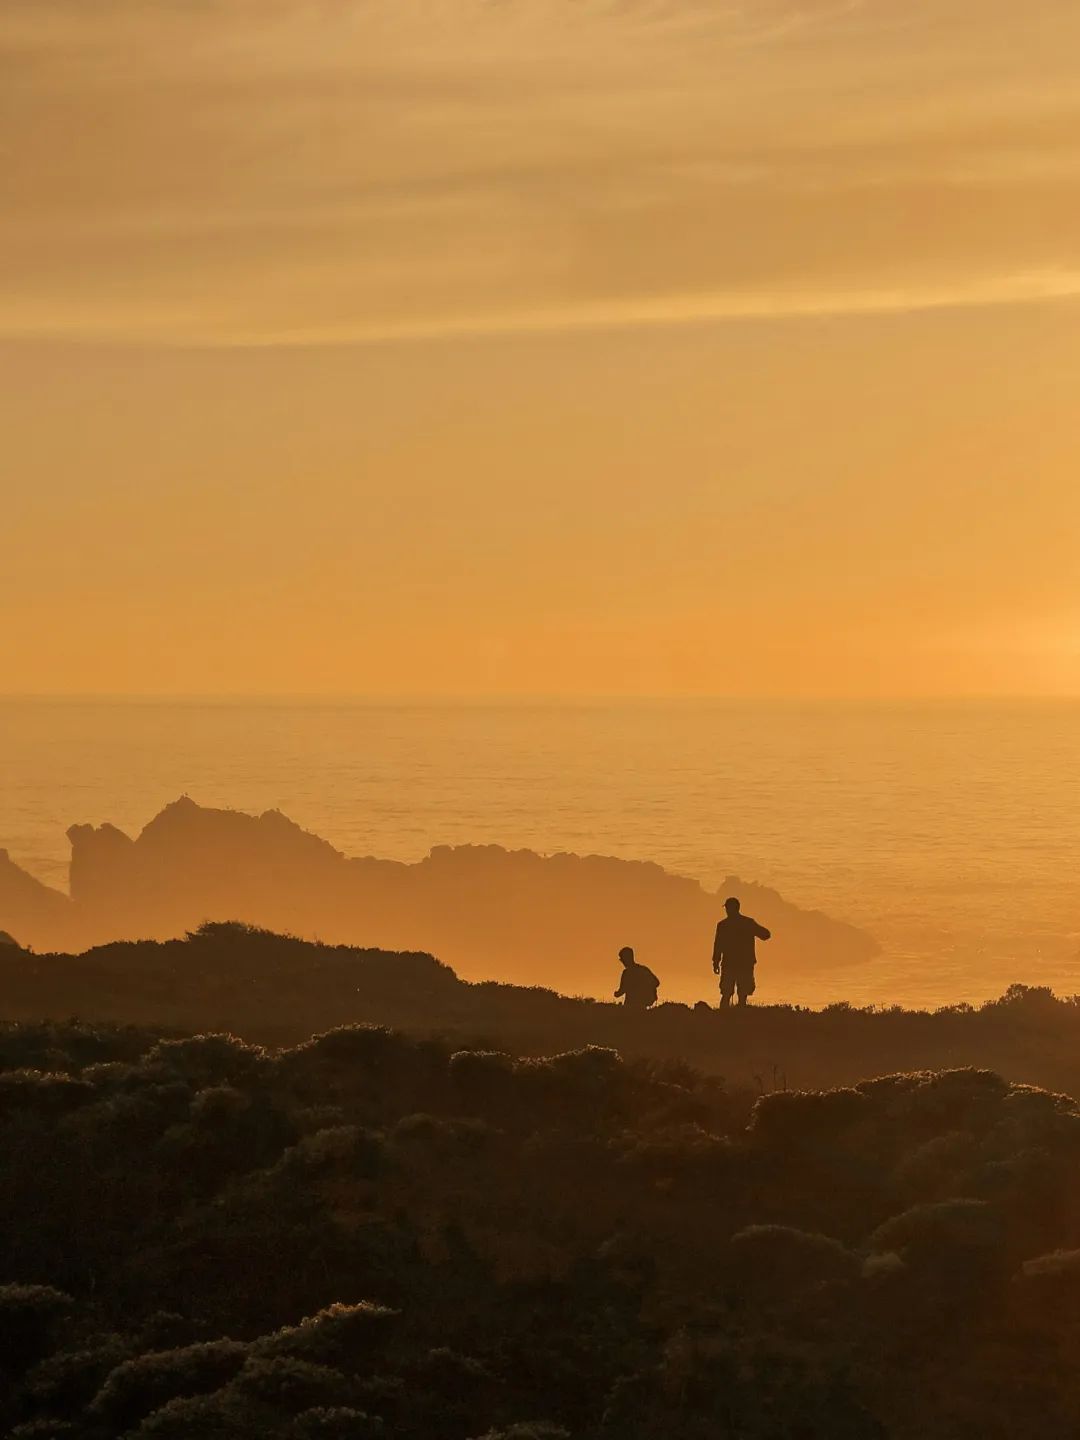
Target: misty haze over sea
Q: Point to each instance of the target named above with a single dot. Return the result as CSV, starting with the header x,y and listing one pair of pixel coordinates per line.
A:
x,y
948,830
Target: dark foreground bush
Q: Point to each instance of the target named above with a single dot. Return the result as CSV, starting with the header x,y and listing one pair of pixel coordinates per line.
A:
x,y
138,1387
371,1237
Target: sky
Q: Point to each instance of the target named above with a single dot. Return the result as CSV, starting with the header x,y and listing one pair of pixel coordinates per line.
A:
x,y
540,347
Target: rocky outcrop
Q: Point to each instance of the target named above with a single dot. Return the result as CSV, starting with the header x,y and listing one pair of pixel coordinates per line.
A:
x,y
35,912
555,920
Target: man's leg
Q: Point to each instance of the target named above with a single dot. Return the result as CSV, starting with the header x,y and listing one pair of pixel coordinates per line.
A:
x,y
727,986
747,985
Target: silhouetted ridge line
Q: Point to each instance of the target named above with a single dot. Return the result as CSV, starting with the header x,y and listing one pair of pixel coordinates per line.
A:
x,y
278,989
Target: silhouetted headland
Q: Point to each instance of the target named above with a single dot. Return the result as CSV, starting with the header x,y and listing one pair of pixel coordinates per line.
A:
x,y
489,912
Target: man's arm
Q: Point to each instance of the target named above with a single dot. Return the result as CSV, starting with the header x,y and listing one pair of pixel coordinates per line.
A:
x,y
718,950
761,932
621,990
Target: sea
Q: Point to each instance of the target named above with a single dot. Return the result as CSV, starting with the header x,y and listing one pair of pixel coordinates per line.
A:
x,y
949,831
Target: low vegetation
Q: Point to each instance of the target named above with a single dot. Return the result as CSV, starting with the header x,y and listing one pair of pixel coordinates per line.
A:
x,y
275,990
375,1235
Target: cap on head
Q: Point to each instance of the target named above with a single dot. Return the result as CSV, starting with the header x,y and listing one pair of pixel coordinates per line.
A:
x,y
731,905
626,954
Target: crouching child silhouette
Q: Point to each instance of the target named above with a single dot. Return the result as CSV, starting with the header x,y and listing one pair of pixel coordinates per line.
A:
x,y
734,955
638,986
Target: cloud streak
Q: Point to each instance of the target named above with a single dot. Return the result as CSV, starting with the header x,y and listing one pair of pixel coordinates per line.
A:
x,y
697,309
789,291
187,329
293,173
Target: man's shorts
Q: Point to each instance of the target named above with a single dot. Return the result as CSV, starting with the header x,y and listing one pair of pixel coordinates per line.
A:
x,y
737,977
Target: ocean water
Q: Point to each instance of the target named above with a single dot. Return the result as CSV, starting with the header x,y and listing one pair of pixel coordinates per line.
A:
x,y
949,831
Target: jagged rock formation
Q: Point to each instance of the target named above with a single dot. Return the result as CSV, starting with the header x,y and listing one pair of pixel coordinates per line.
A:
x,y
554,920
31,910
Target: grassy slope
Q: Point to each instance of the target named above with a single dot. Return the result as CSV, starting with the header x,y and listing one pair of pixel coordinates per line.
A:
x,y
276,990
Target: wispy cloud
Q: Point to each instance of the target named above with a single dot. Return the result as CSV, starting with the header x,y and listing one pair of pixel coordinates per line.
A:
x,y
693,309
191,328
281,171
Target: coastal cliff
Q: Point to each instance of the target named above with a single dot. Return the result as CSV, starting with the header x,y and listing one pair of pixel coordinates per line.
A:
x,y
556,920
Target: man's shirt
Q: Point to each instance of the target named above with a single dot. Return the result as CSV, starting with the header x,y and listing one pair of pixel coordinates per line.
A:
x,y
639,985
735,937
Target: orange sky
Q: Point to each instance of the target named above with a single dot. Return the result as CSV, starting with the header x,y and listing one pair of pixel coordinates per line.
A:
x,y
615,346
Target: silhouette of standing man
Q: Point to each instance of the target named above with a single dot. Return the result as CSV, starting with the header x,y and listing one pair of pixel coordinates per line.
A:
x,y
734,955
639,985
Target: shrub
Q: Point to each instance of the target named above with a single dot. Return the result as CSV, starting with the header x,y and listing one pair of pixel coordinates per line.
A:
x,y
218,1106
930,1171
341,1335
45,1430
30,1317
66,1382
482,1077
945,1236
444,1392
427,1137
42,1094
344,1149
363,1047
291,1385
777,1259
209,1059
528,1430
223,1416
138,1387
794,1117
128,1119
337,1422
